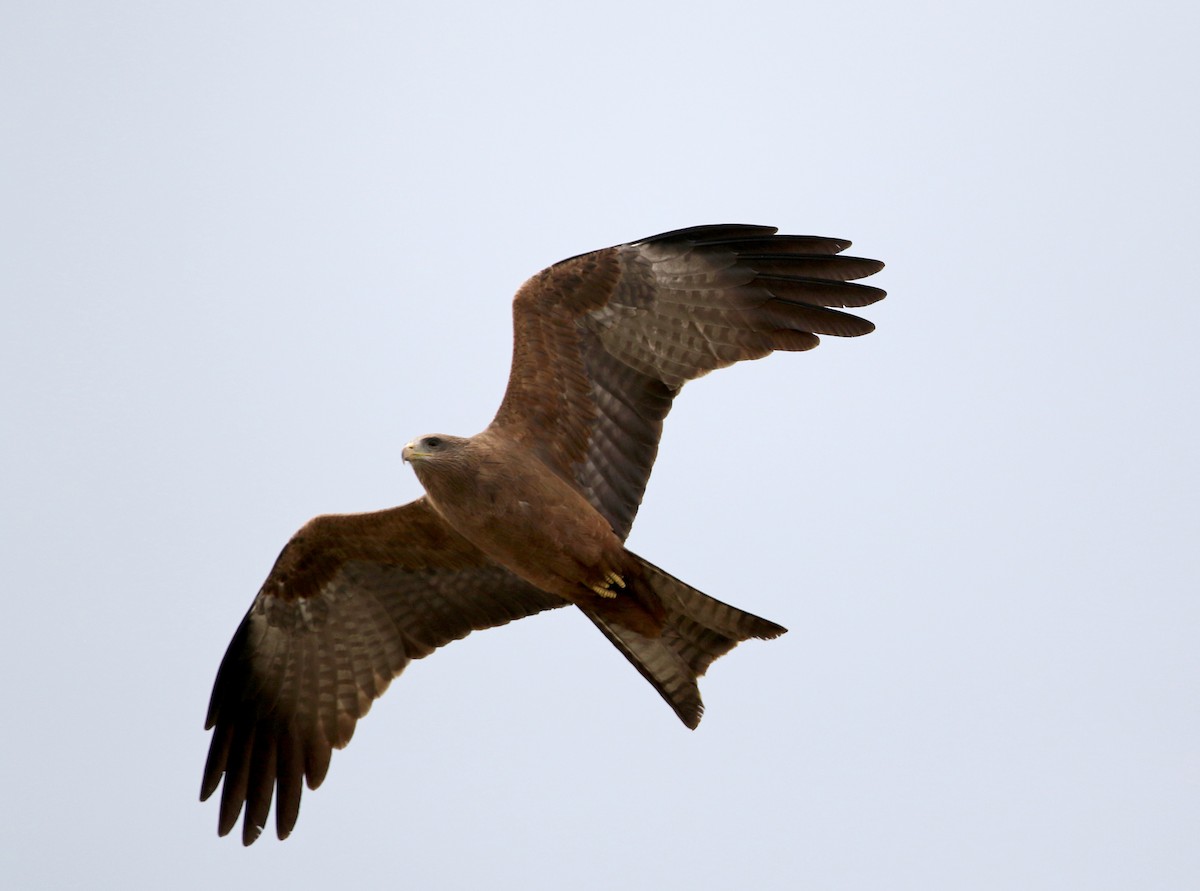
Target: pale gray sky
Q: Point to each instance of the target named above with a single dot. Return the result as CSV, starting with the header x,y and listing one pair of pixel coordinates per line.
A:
x,y
248,250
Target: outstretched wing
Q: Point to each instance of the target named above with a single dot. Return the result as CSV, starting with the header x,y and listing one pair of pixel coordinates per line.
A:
x,y
349,602
603,342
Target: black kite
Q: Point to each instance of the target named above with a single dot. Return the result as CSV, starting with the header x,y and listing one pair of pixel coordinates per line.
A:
x,y
532,513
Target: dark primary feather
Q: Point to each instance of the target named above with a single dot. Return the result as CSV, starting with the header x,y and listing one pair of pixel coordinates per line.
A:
x,y
351,600
604,341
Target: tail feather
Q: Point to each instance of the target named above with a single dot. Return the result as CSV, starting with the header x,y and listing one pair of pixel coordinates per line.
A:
x,y
697,631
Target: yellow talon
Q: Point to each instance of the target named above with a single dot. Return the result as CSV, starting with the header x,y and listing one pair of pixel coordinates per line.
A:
x,y
606,589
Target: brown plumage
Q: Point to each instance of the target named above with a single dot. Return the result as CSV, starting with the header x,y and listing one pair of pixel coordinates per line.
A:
x,y
532,513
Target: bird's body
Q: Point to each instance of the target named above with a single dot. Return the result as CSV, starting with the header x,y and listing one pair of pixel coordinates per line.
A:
x,y
501,497
530,514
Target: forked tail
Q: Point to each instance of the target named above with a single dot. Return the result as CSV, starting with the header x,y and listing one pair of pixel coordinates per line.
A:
x,y
698,630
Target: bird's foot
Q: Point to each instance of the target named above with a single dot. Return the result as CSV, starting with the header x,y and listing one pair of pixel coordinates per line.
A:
x,y
606,590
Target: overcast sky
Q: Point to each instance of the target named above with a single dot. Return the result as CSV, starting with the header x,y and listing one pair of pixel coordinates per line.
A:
x,y
249,250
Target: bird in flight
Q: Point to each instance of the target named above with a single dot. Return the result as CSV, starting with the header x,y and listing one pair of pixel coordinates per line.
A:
x,y
529,515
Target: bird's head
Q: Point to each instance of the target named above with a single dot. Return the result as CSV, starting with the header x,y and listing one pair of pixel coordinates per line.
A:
x,y
438,460
430,448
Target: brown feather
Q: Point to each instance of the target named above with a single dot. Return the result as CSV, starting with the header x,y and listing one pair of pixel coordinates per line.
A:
x,y
351,600
696,631
604,341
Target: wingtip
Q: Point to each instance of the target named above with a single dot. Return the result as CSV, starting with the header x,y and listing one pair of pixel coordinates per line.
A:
x,y
250,833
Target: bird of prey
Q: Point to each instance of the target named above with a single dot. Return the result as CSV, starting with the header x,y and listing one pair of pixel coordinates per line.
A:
x,y
532,513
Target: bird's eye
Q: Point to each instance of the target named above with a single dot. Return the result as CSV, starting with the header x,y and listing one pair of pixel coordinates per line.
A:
x,y
433,441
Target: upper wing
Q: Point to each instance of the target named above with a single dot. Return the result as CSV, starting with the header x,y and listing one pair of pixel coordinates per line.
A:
x,y
349,602
603,342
